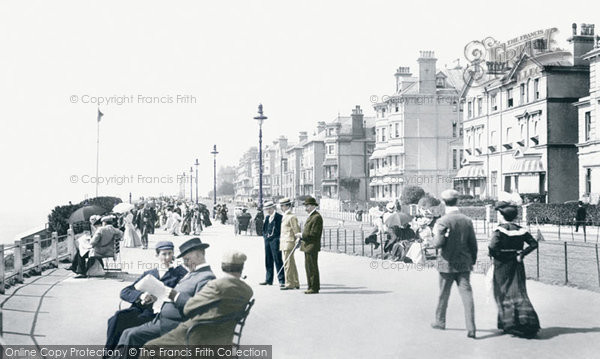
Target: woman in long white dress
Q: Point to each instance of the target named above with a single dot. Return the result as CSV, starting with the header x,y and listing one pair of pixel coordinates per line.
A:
x,y
131,238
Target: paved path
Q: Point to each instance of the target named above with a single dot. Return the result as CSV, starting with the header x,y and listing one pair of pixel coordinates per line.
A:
x,y
365,309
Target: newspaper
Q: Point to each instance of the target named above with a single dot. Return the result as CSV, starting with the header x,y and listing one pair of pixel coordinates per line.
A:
x,y
155,287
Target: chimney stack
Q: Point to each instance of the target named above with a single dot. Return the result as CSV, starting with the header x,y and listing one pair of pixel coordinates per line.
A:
x,y
402,75
321,126
303,135
427,63
283,142
582,43
358,130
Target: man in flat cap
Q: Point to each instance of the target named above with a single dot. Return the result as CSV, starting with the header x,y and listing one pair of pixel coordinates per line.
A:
x,y
454,235
271,232
141,309
289,229
193,253
311,244
221,299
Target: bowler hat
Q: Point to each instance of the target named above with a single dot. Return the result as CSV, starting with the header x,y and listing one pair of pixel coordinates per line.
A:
x,y
310,201
190,245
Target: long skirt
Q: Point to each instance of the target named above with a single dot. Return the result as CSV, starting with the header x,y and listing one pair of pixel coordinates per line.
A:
x,y
515,312
131,238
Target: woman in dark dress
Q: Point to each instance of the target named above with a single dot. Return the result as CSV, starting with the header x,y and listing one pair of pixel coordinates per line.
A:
x,y
515,313
141,310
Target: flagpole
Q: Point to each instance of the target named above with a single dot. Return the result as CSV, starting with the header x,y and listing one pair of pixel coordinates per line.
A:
x,y
97,148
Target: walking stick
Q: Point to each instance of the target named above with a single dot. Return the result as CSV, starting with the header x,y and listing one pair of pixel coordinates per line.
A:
x,y
288,257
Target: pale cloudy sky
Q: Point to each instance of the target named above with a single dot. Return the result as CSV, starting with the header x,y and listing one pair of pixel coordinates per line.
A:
x,y
305,61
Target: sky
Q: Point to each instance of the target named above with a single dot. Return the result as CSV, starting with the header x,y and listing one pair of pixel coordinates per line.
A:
x,y
304,61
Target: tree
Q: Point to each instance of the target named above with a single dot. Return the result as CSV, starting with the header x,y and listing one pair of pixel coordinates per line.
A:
x,y
412,194
225,189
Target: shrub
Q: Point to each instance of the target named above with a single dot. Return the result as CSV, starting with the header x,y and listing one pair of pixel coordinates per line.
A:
x,y
428,201
58,218
412,194
559,213
105,202
474,202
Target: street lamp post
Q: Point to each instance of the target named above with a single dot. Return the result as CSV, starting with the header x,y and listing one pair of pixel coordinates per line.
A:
x,y
191,184
214,153
197,164
260,118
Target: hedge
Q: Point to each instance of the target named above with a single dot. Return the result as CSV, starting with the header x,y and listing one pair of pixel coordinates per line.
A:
x,y
559,213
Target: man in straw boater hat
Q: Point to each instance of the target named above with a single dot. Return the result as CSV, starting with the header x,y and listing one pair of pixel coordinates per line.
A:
x,y
311,244
454,235
271,232
289,228
171,311
220,298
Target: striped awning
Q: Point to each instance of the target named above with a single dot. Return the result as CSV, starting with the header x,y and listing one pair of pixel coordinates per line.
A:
x,y
330,162
394,150
526,165
378,154
470,171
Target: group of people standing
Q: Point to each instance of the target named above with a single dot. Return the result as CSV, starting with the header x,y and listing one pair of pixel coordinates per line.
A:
x,y
282,236
454,235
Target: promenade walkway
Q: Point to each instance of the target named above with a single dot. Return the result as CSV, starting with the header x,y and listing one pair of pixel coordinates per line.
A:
x,y
367,308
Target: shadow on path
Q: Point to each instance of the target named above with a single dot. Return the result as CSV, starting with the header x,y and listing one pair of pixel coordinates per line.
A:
x,y
544,333
551,332
331,289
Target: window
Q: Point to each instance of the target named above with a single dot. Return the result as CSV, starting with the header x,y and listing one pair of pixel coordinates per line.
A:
x,y
508,135
460,157
588,180
454,130
494,184
397,108
454,159
479,106
522,131
383,134
507,180
509,96
522,94
536,89
588,126
528,86
383,112
479,140
397,161
493,103
390,130
439,82
397,127
330,149
470,109
377,135
493,138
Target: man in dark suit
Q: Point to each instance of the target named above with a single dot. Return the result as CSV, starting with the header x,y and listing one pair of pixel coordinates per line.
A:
x,y
580,217
220,298
141,311
454,235
311,244
171,312
271,233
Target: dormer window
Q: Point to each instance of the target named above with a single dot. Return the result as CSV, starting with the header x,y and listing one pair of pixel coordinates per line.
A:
x,y
440,82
